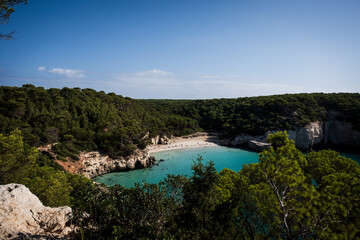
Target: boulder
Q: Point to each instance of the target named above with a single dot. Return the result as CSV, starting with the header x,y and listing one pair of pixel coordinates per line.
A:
x,y
258,146
161,140
155,140
23,214
165,140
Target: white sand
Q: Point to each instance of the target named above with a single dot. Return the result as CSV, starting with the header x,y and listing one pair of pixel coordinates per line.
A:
x,y
185,142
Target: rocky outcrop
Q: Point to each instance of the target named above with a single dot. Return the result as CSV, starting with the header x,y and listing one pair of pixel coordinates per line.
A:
x,y
95,164
242,139
257,143
333,131
258,146
339,132
22,215
92,164
161,140
308,136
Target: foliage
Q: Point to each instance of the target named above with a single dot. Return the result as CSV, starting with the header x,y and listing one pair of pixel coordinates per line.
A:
x,y
120,213
16,159
196,216
50,185
83,119
66,149
22,164
296,198
6,9
337,180
257,115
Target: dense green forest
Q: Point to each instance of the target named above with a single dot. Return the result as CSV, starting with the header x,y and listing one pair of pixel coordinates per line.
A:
x,y
257,115
84,119
287,195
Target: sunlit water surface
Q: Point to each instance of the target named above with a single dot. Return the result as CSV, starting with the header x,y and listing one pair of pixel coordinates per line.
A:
x,y
180,162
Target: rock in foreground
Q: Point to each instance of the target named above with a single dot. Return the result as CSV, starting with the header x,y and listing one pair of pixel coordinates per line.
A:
x,y
23,214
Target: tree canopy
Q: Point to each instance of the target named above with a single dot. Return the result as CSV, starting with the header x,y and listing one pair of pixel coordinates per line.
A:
x,y
83,119
6,9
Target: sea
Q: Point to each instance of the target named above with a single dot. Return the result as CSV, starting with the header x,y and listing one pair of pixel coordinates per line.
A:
x,y
179,162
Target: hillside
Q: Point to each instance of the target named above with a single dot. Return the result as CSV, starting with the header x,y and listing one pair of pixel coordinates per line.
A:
x,y
257,115
84,119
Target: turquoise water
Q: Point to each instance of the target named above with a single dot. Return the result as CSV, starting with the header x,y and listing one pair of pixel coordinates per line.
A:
x,y
180,161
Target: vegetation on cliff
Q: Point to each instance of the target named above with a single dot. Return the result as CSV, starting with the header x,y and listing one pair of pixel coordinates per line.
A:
x,y
84,119
20,163
257,115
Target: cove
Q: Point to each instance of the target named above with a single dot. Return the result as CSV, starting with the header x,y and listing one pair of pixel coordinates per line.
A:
x,y
180,162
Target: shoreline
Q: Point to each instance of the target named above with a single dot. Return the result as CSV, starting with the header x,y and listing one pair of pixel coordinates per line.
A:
x,y
197,140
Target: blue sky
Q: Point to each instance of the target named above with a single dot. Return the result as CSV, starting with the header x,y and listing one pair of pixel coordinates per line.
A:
x,y
185,49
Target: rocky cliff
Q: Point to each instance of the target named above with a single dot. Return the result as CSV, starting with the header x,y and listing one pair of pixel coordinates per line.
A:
x,y
92,164
332,131
95,164
308,136
339,132
23,216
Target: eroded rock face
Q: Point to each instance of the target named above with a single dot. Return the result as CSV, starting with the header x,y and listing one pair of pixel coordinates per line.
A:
x,y
340,132
332,131
22,213
161,140
95,164
307,137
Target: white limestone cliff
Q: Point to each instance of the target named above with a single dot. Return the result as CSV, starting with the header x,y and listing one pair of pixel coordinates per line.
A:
x,y
22,213
330,132
95,164
308,136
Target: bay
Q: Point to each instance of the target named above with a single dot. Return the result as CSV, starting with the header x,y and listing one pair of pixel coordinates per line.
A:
x,y
180,162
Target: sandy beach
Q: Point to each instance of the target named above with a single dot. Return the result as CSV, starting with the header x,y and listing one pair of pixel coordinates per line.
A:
x,y
197,140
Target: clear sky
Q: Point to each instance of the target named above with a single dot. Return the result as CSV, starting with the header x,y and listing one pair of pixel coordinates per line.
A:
x,y
185,48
